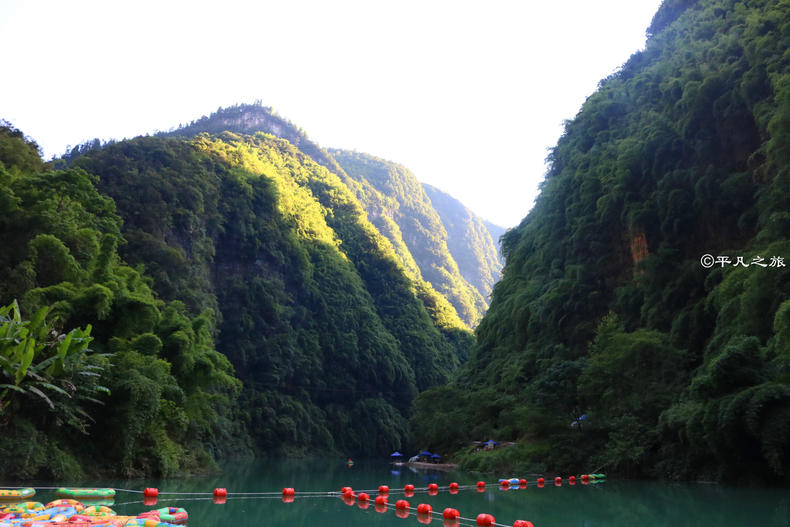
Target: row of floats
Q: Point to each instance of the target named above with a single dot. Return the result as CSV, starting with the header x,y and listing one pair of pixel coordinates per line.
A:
x,y
452,517
69,512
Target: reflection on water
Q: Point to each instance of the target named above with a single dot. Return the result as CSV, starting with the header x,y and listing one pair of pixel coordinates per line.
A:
x,y
611,504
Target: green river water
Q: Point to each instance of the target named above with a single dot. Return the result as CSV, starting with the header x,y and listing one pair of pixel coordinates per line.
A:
x,y
612,503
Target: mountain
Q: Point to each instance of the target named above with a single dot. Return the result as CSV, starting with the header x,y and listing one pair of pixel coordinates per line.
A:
x,y
419,226
390,194
472,241
642,323
238,271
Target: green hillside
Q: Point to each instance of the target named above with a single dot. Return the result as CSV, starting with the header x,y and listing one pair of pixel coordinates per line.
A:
x,y
473,242
239,300
605,308
419,225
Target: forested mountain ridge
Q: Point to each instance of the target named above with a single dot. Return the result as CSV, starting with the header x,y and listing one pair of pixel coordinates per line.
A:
x,y
185,251
419,225
393,200
647,290
473,242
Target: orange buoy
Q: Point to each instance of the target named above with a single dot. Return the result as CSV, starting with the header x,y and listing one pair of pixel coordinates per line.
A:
x,y
383,489
485,520
522,523
363,496
450,514
401,504
424,508
380,500
151,492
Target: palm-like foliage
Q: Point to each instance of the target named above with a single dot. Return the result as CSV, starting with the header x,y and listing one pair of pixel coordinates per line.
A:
x,y
52,367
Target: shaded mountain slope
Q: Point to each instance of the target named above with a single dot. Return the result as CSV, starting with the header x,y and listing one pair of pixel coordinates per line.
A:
x,y
608,306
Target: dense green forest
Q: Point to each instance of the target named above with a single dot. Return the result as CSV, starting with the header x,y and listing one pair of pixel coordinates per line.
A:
x,y
472,241
608,307
227,295
420,227
396,205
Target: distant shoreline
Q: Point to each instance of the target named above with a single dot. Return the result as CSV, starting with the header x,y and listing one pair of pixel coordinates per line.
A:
x,y
420,464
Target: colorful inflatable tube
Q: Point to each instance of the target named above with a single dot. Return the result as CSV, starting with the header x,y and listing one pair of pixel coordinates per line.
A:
x,y
167,515
85,493
17,494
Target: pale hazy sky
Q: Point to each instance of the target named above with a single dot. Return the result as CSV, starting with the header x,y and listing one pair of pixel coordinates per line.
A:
x,y
468,95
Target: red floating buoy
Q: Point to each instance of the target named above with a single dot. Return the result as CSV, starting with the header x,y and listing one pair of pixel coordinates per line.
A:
x,y
485,520
453,486
380,500
401,504
505,484
363,496
220,493
571,479
433,486
383,489
424,508
522,483
541,481
481,484
408,488
288,491
450,514
558,481
522,523
345,489
151,492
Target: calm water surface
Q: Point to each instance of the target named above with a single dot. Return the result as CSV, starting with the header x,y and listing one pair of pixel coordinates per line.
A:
x,y
612,504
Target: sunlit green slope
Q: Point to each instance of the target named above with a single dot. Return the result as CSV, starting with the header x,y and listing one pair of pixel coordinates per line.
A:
x,y
419,225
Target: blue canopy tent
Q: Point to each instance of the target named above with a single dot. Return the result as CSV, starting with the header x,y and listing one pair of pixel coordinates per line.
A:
x,y
396,454
424,455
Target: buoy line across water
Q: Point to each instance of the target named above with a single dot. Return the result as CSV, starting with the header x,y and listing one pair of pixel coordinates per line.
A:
x,y
362,497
